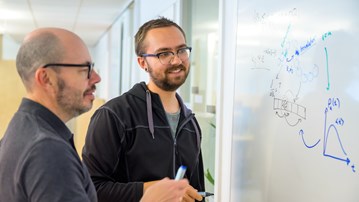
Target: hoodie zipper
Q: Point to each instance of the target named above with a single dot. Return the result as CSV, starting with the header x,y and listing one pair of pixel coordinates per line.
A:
x,y
151,127
183,123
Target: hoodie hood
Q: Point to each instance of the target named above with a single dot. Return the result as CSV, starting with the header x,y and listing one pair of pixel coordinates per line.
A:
x,y
153,100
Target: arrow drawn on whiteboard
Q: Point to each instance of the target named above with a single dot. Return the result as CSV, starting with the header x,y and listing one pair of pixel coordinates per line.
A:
x,y
326,56
285,115
281,115
292,124
347,160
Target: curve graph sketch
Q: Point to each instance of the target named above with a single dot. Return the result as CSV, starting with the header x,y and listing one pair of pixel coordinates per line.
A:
x,y
332,135
294,74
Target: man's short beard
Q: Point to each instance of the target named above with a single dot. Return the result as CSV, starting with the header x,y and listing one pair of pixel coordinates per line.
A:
x,y
164,84
70,104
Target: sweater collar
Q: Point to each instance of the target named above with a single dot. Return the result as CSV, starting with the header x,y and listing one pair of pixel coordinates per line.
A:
x,y
46,115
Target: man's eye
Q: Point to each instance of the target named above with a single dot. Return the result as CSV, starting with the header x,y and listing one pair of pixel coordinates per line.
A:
x,y
181,51
165,54
84,70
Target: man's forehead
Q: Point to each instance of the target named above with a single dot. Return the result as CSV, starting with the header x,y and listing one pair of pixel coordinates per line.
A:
x,y
164,38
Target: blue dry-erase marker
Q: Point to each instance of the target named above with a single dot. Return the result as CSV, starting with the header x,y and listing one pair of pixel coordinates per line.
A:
x,y
205,194
180,172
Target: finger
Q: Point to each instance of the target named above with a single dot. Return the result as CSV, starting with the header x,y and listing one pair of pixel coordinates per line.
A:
x,y
198,197
193,193
187,198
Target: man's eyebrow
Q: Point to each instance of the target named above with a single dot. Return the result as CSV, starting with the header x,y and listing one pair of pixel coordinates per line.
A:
x,y
163,50
170,49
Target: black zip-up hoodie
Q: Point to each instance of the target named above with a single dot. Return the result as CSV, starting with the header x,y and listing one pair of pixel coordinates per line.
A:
x,y
129,142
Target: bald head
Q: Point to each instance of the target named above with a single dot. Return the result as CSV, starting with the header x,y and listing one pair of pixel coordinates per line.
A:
x,y
43,46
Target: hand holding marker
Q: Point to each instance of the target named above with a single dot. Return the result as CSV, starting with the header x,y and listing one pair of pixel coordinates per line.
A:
x,y
180,174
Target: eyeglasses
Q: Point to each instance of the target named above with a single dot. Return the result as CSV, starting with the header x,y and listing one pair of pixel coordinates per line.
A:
x,y
167,56
88,64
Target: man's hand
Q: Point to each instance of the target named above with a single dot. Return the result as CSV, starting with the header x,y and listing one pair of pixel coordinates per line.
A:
x,y
191,195
146,185
166,190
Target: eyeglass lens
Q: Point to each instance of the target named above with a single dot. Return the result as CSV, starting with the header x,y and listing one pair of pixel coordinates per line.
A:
x,y
90,66
167,57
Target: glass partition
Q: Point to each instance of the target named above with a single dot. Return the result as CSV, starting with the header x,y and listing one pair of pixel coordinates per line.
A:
x,y
199,92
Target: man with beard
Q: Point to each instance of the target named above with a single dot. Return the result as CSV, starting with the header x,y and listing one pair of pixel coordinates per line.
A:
x,y
147,133
38,159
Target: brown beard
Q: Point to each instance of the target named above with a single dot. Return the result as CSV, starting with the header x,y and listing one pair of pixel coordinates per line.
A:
x,y
164,83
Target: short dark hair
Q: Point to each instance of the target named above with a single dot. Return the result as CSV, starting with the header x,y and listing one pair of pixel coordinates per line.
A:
x,y
152,24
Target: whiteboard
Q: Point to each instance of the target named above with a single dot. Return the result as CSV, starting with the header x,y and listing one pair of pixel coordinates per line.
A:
x,y
296,110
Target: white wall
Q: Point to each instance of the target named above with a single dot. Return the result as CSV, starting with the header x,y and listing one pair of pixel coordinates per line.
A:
x,y
9,48
100,55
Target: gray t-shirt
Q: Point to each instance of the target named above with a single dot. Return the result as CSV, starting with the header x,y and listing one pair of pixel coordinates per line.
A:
x,y
38,161
173,119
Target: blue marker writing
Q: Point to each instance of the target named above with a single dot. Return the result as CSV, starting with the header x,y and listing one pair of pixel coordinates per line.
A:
x,y
180,172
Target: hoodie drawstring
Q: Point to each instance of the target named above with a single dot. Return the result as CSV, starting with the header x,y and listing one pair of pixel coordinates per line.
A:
x,y
149,113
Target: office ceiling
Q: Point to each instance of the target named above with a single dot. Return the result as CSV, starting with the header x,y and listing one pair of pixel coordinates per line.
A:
x,y
88,18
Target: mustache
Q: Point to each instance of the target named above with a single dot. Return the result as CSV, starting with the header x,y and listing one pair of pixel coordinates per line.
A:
x,y
172,68
92,88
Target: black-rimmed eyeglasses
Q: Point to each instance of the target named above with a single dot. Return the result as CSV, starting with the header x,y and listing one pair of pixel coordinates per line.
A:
x,y
167,56
88,64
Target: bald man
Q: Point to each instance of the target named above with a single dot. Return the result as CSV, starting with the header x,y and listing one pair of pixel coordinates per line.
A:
x,y
38,159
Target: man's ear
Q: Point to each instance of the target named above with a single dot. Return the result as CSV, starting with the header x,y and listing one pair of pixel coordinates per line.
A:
x,y
43,77
142,62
